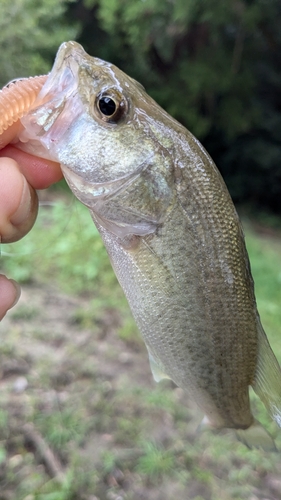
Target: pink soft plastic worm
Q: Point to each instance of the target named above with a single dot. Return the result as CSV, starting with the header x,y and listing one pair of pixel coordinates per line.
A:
x,y
17,98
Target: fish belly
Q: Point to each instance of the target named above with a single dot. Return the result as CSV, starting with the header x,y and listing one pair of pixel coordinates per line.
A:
x,y
184,300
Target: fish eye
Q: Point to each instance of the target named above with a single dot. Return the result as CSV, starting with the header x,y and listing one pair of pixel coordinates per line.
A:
x,y
107,106
110,106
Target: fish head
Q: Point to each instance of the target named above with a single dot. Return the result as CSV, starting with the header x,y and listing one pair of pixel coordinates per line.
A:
x,y
96,122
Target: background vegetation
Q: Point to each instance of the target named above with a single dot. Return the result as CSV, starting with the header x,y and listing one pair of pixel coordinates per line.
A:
x,y
214,65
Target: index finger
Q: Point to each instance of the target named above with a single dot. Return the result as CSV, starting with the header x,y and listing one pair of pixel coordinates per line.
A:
x,y
39,172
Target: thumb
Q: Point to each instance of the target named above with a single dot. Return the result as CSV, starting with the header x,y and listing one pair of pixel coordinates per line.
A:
x,y
9,294
18,202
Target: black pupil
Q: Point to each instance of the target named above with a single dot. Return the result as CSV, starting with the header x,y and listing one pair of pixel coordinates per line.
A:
x,y
107,106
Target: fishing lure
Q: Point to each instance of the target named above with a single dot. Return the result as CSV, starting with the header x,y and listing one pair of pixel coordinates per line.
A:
x,y
16,98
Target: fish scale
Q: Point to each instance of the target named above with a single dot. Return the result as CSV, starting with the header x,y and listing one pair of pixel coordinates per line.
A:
x,y
172,234
152,335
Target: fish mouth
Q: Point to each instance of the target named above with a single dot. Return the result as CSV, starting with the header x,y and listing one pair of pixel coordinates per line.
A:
x,y
58,98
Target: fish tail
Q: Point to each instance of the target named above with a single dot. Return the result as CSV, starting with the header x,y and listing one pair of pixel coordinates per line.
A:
x,y
267,381
256,437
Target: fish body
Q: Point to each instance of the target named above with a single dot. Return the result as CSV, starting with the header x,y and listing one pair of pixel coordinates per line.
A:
x,y
170,229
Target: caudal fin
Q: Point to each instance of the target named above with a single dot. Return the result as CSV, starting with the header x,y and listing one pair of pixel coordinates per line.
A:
x,y
267,382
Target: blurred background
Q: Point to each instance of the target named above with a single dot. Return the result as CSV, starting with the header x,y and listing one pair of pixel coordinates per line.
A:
x,y
80,416
213,65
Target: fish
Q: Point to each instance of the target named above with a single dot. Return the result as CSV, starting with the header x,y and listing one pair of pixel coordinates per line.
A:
x,y
171,231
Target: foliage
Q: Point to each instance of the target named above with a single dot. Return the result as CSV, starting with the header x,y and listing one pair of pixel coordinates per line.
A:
x,y
64,245
155,461
196,57
213,65
30,32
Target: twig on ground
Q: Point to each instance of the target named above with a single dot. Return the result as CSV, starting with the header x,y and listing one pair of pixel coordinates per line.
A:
x,y
44,452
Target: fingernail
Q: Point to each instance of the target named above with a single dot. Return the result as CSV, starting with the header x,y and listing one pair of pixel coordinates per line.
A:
x,y
24,208
18,292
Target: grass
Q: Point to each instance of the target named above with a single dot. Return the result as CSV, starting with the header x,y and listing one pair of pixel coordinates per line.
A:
x,y
156,461
65,246
266,269
90,395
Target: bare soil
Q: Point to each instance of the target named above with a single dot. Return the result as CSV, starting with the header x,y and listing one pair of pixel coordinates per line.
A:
x,y
79,398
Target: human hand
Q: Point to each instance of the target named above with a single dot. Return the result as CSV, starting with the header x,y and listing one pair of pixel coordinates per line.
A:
x,y
20,174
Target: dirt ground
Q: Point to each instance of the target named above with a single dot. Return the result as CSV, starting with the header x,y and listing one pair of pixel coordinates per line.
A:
x,y
79,409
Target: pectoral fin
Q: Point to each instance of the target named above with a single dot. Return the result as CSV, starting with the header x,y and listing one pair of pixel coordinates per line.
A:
x,y
157,372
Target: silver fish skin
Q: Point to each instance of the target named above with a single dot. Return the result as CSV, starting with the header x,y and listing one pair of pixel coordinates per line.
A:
x,y
170,229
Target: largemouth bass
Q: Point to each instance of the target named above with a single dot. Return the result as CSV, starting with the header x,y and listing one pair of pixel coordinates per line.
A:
x,y
171,231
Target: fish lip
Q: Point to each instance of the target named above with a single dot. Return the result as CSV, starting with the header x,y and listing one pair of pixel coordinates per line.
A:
x,y
64,74
68,49
62,81
61,87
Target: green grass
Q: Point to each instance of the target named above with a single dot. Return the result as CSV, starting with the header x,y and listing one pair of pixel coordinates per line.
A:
x,y
63,246
266,268
91,395
156,461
